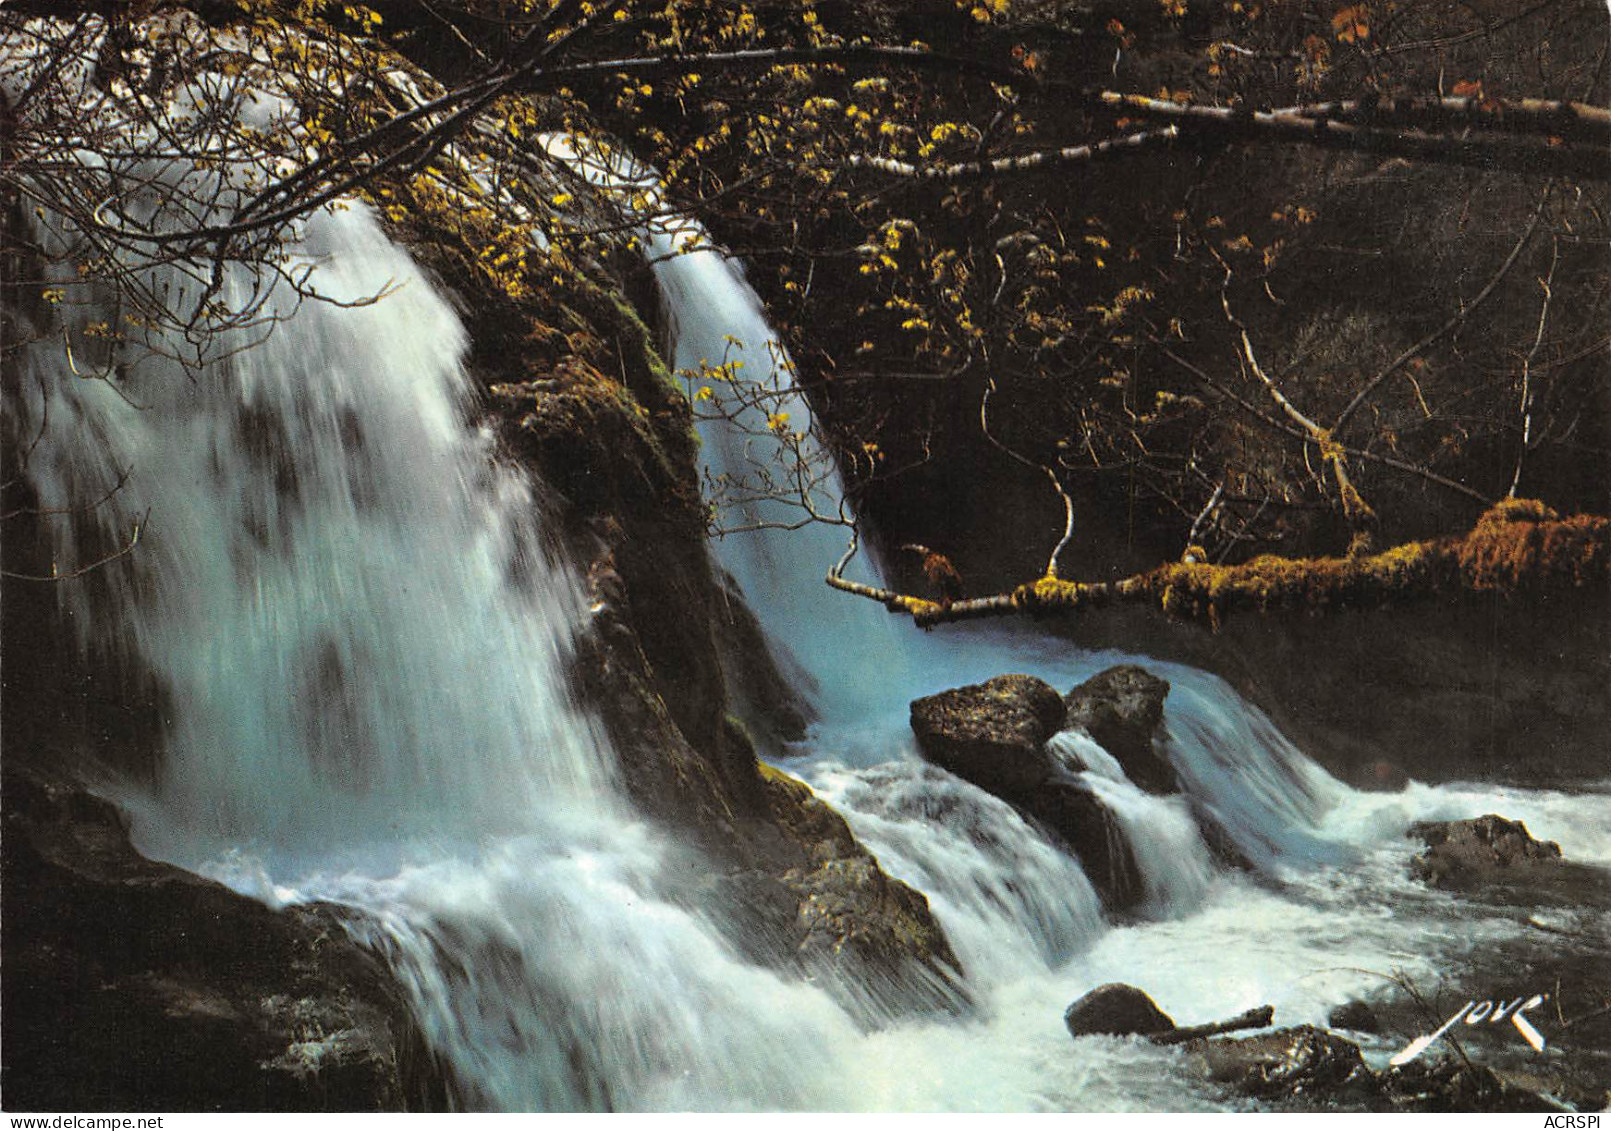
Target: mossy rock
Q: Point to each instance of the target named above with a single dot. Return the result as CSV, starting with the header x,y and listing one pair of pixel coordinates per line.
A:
x,y
849,909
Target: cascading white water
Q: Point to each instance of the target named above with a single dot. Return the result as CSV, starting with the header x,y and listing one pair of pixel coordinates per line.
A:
x,y
1175,866
516,897
715,319
758,447
1011,902
328,552
1333,917
1239,766
362,640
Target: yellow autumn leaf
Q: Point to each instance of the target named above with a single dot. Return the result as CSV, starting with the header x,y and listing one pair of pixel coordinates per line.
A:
x,y
1352,24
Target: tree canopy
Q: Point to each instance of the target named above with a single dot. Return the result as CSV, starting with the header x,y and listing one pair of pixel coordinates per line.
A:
x,y
1298,277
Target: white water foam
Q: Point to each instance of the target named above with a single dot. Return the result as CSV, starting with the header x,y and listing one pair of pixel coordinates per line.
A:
x,y
1176,868
1011,903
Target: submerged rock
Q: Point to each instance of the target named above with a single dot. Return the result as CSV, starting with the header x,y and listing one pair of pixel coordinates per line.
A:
x,y
846,913
132,985
1481,850
1116,1009
1304,1062
992,734
1122,709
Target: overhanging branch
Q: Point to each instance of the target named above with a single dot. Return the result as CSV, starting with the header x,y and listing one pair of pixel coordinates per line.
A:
x,y
1024,163
1427,136
1518,547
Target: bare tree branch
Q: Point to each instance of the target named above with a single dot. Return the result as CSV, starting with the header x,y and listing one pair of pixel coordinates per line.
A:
x,y
56,574
1024,163
1455,320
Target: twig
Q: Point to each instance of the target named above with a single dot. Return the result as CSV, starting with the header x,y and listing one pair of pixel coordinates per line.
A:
x,y
1527,370
1068,522
1282,426
1458,317
56,575
122,478
1361,518
1203,515
1051,474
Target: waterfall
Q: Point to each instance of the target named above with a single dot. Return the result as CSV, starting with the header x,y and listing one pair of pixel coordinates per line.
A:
x,y
776,470
758,447
1238,769
329,552
1326,911
361,634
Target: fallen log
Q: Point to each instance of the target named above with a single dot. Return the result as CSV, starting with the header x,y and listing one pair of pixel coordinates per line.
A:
x,y
1252,1019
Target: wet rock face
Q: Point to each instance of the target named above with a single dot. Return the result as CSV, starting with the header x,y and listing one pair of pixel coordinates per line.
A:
x,y
1117,1010
815,899
1288,1063
1381,777
1453,1086
1303,1067
1482,850
1122,709
1080,820
992,734
668,653
132,985
1310,1069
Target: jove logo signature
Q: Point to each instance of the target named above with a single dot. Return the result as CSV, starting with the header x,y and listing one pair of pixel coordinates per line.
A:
x,y
1476,1013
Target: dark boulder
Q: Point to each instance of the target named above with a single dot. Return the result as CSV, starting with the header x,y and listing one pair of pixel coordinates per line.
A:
x,y
992,734
1301,1062
1076,817
134,986
1312,1070
1453,1086
1481,850
1116,1010
1354,1015
1121,709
